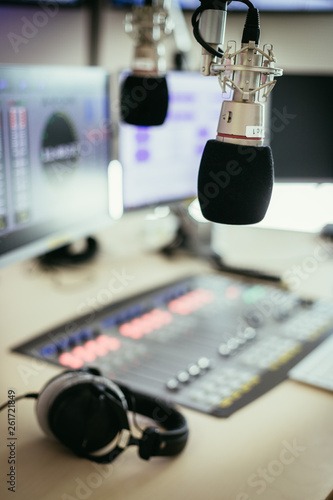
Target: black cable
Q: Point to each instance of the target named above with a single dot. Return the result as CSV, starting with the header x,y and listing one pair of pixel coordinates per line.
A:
x,y
246,2
29,395
219,265
218,5
195,25
251,30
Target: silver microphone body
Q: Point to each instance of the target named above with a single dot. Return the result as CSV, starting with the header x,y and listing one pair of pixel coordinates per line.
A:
x,y
249,73
242,119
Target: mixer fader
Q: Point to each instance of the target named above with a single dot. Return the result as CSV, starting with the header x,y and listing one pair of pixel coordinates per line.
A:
x,y
208,342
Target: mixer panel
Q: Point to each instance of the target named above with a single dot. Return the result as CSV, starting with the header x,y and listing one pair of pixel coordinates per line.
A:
x,y
208,342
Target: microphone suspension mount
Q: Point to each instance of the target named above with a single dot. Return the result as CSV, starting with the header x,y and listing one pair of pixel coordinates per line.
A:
x,y
249,58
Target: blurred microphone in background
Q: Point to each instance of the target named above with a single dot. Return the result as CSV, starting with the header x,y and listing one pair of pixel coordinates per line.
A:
x,y
144,93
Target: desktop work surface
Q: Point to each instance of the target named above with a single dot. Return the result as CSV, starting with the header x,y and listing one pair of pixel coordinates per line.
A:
x,y
279,446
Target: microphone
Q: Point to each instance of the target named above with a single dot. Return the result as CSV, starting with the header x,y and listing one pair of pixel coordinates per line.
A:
x,y
236,172
144,93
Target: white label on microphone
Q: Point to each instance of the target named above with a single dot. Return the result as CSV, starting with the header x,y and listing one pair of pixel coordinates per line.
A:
x,y
254,131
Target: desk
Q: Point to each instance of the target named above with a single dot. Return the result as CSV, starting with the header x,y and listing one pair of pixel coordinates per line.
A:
x,y
280,447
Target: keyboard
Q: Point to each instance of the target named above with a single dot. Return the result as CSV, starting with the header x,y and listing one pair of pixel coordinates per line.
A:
x,y
317,368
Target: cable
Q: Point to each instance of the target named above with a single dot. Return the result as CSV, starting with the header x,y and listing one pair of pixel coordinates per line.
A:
x,y
217,5
218,264
205,5
246,2
28,395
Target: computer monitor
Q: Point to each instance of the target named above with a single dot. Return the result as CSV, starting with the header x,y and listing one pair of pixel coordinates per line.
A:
x,y
160,164
54,156
300,128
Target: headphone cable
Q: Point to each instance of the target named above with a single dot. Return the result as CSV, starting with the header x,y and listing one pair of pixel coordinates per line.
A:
x,y
33,395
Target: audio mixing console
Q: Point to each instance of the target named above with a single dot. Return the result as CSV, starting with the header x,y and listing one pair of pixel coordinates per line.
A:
x,y
207,342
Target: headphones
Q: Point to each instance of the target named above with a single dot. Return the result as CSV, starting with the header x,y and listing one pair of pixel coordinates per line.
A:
x,y
67,256
88,413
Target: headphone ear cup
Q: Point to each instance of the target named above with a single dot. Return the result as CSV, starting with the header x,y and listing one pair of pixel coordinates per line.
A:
x,y
83,418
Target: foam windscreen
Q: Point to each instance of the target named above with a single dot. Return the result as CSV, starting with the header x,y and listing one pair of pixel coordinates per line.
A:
x,y
235,182
144,100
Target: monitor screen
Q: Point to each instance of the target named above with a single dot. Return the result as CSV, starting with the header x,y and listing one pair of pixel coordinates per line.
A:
x,y
300,128
262,5
160,164
54,156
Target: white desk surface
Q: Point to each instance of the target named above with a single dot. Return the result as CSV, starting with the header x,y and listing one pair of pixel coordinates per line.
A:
x,y
243,457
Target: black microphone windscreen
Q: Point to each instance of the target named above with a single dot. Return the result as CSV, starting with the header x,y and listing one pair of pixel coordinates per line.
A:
x,y
144,100
235,182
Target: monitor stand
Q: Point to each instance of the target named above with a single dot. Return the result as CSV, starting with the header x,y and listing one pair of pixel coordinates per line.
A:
x,y
194,234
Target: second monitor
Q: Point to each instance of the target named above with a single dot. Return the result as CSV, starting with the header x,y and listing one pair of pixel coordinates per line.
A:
x,y
160,164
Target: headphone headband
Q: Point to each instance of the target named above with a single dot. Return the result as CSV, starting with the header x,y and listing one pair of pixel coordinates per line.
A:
x,y
155,442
